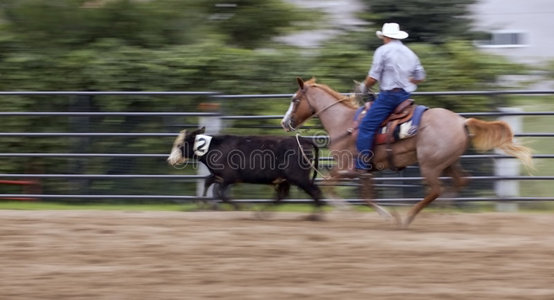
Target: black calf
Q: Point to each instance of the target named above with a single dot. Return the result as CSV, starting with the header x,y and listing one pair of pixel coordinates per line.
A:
x,y
232,159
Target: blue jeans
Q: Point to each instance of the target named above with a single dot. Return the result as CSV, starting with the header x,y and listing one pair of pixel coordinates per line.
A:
x,y
380,109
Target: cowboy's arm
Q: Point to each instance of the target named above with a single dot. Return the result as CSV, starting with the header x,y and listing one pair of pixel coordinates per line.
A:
x,y
416,81
418,74
376,69
369,81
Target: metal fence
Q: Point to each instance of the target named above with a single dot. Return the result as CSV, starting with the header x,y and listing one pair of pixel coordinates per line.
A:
x,y
389,180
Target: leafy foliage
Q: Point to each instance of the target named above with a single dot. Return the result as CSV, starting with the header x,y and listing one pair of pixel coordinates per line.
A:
x,y
70,23
252,23
428,21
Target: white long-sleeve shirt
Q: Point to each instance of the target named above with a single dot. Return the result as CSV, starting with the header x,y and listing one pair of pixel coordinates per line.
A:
x,y
394,65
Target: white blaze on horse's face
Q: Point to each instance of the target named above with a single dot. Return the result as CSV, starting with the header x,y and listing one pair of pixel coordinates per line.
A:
x,y
286,123
176,155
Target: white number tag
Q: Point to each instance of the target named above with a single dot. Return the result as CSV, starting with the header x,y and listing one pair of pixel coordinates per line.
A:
x,y
201,144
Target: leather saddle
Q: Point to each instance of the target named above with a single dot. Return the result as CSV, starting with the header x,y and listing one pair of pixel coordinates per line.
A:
x,y
385,135
402,113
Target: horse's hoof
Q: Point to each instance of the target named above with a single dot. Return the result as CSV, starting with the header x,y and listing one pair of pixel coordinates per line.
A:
x,y
315,218
263,214
404,225
397,219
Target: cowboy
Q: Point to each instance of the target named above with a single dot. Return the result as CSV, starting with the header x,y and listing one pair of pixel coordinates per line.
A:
x,y
398,71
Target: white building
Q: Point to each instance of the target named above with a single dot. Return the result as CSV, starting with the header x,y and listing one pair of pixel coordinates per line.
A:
x,y
522,30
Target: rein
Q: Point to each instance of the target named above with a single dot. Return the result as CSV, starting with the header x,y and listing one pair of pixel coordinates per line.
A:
x,y
316,114
328,106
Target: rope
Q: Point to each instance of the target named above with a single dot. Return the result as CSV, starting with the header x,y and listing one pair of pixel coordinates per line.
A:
x,y
307,159
183,164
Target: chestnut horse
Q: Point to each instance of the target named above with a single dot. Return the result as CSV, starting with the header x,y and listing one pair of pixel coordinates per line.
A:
x,y
443,136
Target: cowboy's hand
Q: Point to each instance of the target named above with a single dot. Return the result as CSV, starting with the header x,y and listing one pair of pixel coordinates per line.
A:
x,y
367,94
362,88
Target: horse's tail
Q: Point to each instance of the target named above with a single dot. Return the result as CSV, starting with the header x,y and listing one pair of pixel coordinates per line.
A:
x,y
486,135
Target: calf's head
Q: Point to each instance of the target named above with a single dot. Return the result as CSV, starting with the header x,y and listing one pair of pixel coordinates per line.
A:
x,y
183,145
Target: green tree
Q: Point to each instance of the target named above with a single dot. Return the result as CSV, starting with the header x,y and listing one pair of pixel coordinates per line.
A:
x,y
70,23
253,23
429,21
74,23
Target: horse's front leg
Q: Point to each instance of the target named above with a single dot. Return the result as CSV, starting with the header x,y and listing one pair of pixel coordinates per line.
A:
x,y
329,185
367,193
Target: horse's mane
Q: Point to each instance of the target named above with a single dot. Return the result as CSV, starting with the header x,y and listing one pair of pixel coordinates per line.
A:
x,y
352,102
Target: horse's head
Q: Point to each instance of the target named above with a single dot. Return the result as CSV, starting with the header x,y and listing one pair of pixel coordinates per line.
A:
x,y
183,147
300,108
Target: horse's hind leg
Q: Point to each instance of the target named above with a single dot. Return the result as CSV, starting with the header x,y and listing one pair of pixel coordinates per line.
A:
x,y
459,180
458,176
434,190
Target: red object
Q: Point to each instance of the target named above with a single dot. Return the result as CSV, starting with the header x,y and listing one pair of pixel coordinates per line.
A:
x,y
29,187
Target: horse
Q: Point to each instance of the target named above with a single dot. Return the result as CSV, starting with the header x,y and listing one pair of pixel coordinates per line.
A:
x,y
443,136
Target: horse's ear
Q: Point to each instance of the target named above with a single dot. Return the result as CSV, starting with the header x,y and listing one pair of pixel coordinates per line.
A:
x,y
300,82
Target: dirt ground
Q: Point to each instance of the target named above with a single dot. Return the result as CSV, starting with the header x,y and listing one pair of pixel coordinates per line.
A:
x,y
232,255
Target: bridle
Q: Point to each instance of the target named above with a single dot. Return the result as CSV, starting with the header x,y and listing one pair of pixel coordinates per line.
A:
x,y
317,113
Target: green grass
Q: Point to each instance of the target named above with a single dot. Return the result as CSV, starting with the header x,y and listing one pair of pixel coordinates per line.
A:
x,y
299,208
38,205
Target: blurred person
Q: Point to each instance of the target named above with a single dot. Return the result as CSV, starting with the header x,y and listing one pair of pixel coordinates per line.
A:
x,y
398,71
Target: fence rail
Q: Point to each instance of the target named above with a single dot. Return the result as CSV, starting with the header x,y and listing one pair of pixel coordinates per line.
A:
x,y
179,198
154,155
212,95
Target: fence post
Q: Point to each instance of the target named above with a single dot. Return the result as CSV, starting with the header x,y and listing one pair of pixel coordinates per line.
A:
x,y
508,166
213,126
80,103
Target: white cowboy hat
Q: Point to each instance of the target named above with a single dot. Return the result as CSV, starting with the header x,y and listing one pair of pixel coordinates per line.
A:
x,y
392,30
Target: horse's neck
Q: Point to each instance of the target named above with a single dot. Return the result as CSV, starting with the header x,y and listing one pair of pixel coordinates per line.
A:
x,y
335,117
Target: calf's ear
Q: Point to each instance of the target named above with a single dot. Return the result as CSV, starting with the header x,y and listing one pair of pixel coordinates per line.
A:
x,y
199,131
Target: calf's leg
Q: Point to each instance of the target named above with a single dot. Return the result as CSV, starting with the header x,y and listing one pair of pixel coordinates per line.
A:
x,y
221,192
204,203
281,191
313,190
